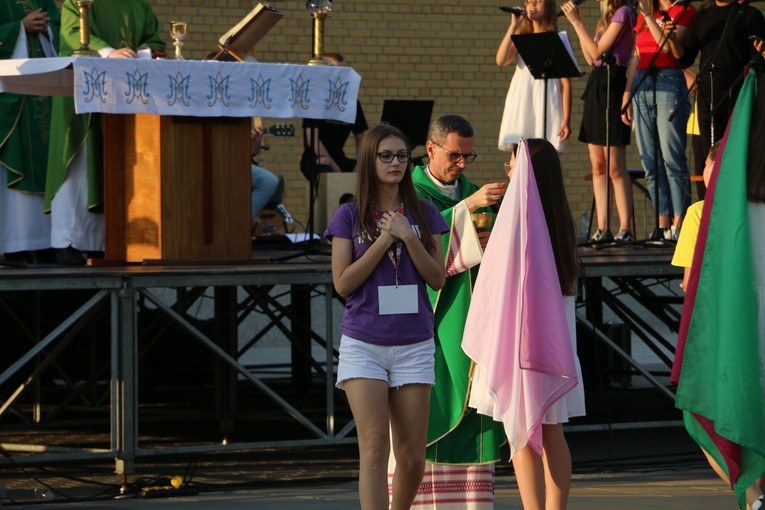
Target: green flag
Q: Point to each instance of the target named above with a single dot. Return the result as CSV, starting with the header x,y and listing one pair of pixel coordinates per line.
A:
x,y
719,388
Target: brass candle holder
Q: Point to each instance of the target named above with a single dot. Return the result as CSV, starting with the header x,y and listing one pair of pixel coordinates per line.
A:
x,y
319,10
84,49
178,30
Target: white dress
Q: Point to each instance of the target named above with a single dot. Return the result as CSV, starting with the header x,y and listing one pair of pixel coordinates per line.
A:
x,y
568,406
524,106
572,403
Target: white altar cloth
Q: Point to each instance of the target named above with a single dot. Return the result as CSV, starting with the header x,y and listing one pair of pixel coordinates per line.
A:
x,y
189,87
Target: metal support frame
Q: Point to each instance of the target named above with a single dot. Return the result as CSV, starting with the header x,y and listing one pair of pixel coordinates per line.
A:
x,y
123,287
126,287
591,316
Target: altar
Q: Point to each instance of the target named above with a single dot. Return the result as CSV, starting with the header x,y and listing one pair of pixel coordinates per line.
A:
x,y
176,163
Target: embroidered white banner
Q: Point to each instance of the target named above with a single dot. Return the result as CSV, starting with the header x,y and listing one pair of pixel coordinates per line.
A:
x,y
215,89
189,87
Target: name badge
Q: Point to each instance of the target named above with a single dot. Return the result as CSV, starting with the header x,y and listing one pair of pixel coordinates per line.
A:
x,y
397,300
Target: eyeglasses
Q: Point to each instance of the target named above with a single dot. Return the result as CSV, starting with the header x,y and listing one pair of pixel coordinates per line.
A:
x,y
387,157
456,157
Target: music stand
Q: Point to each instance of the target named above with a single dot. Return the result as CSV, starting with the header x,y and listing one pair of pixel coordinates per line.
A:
x,y
547,57
412,117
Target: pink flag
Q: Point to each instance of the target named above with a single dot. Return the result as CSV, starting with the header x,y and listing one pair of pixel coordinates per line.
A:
x,y
516,330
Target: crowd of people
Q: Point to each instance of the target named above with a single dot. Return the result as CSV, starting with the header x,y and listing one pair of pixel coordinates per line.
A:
x,y
424,326
640,57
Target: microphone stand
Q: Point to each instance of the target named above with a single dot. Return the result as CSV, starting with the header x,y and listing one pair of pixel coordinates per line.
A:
x,y
657,235
709,66
609,60
310,245
735,84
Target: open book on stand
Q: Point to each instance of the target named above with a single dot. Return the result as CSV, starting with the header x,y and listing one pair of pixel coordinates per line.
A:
x,y
245,34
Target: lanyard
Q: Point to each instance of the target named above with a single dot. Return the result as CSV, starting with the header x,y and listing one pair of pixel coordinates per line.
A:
x,y
395,259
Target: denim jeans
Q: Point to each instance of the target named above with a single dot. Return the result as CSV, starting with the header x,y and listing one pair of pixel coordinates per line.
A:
x,y
264,184
665,163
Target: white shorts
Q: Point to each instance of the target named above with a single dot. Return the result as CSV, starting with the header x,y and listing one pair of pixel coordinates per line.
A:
x,y
396,364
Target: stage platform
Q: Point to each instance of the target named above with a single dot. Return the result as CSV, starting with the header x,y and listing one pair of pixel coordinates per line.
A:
x,y
133,362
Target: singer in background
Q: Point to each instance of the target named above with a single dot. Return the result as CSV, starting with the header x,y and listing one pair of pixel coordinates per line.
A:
x,y
722,31
612,46
524,103
24,134
661,94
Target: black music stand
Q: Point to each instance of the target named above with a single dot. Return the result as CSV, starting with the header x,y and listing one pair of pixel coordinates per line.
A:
x,y
412,117
547,58
310,246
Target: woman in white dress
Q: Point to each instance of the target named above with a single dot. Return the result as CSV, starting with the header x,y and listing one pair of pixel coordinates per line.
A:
x,y
544,481
524,104
521,330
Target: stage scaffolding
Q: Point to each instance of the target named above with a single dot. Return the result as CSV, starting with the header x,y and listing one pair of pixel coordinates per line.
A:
x,y
613,280
121,289
617,278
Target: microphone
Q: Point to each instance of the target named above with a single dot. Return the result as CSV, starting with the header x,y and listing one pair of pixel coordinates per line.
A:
x,y
575,2
518,11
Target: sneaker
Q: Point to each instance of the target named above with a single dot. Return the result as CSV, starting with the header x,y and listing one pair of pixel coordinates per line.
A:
x,y
624,236
602,236
759,504
289,222
671,233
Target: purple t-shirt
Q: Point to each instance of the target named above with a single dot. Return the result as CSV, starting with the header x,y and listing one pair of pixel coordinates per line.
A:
x,y
622,47
361,319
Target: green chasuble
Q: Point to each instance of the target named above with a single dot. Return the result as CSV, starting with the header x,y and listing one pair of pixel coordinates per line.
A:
x,y
25,122
115,24
456,433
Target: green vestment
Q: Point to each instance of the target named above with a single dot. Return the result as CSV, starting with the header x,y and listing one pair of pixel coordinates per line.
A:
x,y
115,24
456,433
25,120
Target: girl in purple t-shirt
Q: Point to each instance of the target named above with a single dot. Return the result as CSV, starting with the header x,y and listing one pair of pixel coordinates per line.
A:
x,y
386,247
609,53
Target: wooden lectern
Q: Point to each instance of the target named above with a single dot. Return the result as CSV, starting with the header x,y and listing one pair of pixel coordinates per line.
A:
x,y
177,188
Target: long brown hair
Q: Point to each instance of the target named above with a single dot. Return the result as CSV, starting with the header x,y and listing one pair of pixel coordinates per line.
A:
x,y
560,222
549,22
368,186
607,10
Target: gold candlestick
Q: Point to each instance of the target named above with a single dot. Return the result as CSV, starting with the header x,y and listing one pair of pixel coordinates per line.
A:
x,y
319,10
84,50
